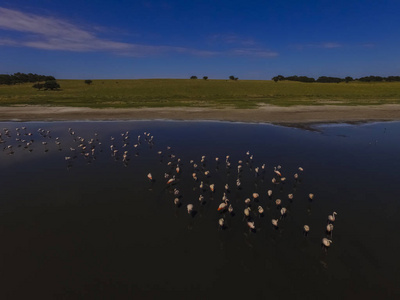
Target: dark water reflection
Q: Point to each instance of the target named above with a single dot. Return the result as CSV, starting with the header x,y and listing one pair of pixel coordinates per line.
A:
x,y
94,226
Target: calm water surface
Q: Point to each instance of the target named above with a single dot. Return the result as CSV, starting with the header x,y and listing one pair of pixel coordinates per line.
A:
x,y
79,225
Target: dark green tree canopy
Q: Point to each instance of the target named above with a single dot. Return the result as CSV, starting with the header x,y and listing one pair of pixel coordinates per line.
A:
x,y
193,77
328,79
51,85
88,81
17,78
38,86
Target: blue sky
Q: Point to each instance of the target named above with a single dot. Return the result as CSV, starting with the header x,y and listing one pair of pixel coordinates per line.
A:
x,y
218,38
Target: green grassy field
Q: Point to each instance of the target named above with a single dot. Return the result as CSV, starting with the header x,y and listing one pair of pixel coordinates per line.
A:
x,y
201,93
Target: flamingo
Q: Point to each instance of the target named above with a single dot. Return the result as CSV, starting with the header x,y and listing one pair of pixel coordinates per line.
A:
x,y
149,176
332,217
283,211
277,172
247,211
212,187
251,225
275,222
171,180
189,208
222,206
306,229
326,242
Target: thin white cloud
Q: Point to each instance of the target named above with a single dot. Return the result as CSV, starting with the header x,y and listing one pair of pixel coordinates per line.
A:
x,y
324,45
231,39
254,52
49,33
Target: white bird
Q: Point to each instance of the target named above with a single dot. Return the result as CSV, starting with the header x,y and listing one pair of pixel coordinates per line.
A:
x,y
332,217
269,193
251,225
283,211
326,242
274,222
277,172
149,176
189,208
260,210
212,187
247,211
311,196
329,228
171,180
238,183
306,229
221,222
222,206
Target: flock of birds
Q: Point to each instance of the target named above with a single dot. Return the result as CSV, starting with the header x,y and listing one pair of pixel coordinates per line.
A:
x,y
253,207
123,147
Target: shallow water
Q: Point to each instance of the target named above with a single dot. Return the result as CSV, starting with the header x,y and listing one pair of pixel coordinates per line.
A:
x,y
95,226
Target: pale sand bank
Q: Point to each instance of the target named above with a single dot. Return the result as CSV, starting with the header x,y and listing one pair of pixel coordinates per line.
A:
x,y
264,114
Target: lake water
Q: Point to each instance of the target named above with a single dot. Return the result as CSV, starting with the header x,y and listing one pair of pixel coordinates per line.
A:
x,y
82,224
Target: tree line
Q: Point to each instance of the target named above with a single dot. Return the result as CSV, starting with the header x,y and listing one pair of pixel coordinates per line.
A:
x,y
328,79
17,78
206,77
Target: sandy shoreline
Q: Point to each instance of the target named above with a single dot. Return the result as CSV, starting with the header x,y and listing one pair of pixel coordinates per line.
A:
x,y
264,114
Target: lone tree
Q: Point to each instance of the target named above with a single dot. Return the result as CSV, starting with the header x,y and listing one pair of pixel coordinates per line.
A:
x,y
51,85
205,77
88,81
233,77
193,77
